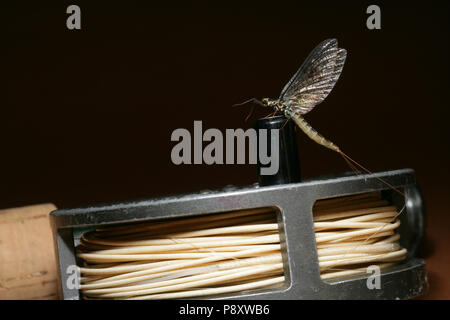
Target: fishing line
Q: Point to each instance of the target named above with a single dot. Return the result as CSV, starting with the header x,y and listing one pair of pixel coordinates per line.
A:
x,y
187,257
342,245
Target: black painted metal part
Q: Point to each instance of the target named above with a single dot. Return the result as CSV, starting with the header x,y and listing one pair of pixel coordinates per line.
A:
x,y
288,159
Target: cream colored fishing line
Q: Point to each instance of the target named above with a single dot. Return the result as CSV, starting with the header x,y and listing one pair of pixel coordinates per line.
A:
x,y
231,252
188,257
356,235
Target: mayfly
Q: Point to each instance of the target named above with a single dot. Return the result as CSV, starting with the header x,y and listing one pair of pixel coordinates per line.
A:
x,y
309,86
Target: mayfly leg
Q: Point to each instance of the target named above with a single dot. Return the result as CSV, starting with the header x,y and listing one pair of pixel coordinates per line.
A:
x,y
284,124
270,115
252,100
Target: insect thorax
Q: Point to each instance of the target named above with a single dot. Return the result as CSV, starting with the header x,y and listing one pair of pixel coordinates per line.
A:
x,y
279,106
276,104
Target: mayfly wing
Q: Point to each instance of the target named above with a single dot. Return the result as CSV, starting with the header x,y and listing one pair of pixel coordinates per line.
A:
x,y
308,61
315,79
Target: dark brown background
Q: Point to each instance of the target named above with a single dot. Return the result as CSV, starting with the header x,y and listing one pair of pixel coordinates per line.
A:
x,y
86,116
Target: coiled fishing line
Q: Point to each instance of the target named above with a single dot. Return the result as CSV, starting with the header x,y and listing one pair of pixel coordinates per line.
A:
x,y
183,258
227,253
355,232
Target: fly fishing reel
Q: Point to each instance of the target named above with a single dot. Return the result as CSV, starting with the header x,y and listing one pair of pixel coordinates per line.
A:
x,y
279,239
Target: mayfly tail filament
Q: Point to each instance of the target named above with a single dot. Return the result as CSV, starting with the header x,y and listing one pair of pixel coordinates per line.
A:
x,y
347,159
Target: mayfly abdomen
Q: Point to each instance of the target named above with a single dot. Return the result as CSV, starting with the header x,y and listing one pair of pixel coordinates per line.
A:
x,y
313,134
